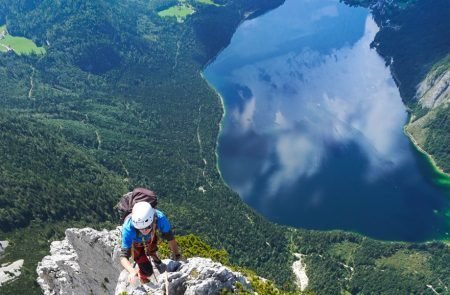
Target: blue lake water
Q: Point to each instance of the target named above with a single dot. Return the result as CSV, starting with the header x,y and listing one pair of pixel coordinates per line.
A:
x,y
313,134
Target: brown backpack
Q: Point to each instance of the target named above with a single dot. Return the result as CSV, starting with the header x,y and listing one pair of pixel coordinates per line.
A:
x,y
126,203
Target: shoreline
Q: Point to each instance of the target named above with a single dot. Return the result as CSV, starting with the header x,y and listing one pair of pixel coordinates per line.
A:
x,y
224,112
444,239
440,173
429,157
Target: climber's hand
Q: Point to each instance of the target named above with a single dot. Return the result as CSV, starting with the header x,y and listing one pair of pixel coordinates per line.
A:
x,y
133,276
177,257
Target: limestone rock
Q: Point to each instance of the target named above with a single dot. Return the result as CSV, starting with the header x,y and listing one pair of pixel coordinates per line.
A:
x,y
299,269
433,94
86,262
196,276
10,271
3,245
434,91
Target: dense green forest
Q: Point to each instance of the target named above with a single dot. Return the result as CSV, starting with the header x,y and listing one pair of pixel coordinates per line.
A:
x,y
437,142
118,101
433,128
345,263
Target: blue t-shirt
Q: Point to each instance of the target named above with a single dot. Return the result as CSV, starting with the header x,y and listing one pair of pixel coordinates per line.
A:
x,y
130,235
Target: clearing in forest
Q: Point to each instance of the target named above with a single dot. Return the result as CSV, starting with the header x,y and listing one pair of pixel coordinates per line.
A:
x,y
183,9
180,11
208,2
20,45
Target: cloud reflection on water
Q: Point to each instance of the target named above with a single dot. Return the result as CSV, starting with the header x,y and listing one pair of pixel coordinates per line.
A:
x,y
303,102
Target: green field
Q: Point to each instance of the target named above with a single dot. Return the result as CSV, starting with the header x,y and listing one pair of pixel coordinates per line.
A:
x,y
20,45
180,11
208,2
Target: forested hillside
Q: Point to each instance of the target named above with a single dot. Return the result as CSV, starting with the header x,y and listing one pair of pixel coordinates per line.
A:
x,y
118,101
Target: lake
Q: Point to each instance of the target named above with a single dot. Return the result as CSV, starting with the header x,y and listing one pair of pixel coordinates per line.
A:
x,y
312,135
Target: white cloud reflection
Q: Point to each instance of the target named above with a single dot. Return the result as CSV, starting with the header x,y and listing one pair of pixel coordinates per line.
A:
x,y
327,11
298,156
245,118
308,100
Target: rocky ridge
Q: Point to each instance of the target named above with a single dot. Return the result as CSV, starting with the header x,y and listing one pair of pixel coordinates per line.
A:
x,y
434,90
432,94
8,271
3,245
299,269
87,262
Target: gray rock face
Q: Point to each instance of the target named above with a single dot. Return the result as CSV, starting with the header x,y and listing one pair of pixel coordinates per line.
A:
x,y
86,262
434,91
197,276
433,94
3,245
10,271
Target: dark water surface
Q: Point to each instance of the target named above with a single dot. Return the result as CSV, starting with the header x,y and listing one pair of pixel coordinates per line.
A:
x,y
313,132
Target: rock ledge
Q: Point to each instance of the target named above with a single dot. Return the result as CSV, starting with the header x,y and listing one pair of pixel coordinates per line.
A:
x,y
86,262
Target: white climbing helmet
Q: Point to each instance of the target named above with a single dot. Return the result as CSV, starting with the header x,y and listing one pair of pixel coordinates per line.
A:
x,y
142,215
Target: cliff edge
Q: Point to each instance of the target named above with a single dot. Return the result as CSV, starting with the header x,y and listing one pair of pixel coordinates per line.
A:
x,y
87,262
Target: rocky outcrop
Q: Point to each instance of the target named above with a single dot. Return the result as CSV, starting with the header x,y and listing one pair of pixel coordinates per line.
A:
x,y
195,276
434,91
8,271
3,245
299,269
86,262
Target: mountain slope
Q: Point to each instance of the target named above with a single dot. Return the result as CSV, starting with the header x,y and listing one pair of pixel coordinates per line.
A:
x,y
118,101
122,86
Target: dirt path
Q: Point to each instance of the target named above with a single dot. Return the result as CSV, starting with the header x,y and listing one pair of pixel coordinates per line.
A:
x,y
7,47
99,139
200,146
176,55
30,92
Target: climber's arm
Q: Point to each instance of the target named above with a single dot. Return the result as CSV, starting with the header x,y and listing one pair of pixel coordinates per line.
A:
x,y
125,251
127,265
173,245
168,235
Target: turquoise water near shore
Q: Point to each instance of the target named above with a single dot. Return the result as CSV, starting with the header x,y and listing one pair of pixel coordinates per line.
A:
x,y
313,134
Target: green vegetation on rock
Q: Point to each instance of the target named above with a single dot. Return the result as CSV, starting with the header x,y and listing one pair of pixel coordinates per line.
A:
x,y
193,246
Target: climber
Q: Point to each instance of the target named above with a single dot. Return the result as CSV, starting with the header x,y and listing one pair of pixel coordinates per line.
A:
x,y
139,240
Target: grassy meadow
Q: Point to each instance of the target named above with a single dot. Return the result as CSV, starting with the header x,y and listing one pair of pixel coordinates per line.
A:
x,y
180,11
208,2
20,45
